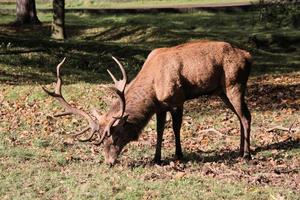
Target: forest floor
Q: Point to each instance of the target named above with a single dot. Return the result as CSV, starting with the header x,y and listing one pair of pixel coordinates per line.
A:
x,y
39,160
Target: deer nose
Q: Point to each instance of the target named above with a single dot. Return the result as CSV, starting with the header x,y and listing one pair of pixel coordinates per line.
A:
x,y
110,162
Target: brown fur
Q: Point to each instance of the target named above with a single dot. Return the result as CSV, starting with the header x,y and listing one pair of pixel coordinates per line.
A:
x,y
169,77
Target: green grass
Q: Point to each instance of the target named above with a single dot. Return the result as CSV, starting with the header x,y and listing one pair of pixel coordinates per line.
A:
x,y
92,40
53,178
143,3
38,160
125,4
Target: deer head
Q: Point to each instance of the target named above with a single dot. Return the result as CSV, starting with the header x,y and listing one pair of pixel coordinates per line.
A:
x,y
109,127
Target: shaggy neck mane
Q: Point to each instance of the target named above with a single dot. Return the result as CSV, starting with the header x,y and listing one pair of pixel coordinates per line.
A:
x,y
140,106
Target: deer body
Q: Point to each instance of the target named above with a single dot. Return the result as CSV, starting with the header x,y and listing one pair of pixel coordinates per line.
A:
x,y
168,78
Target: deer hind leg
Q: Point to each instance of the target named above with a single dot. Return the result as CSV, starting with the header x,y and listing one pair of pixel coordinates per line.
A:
x,y
176,122
160,126
234,99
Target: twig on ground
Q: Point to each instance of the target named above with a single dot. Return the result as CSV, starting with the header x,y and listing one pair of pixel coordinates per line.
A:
x,y
283,129
286,171
291,126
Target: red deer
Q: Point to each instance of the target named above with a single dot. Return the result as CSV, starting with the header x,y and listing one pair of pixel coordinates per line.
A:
x,y
168,78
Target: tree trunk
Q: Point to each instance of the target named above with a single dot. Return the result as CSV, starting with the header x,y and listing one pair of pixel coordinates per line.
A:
x,y
58,24
26,12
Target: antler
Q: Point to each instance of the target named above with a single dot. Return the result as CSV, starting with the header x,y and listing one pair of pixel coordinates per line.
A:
x,y
93,124
119,88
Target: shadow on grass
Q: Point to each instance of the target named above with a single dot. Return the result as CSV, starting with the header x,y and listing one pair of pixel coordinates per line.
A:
x,y
230,157
284,145
94,38
274,96
86,61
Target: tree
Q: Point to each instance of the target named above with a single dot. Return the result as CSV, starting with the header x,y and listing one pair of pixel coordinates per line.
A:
x,y
26,12
58,24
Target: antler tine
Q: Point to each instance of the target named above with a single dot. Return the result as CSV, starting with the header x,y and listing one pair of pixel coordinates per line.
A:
x,y
121,99
112,76
93,124
59,80
119,88
88,138
106,131
120,84
122,69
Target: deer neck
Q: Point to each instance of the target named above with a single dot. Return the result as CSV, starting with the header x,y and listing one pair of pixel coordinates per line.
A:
x,y
140,106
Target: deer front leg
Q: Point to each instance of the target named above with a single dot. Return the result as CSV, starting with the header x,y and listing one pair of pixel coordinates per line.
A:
x,y
160,126
176,122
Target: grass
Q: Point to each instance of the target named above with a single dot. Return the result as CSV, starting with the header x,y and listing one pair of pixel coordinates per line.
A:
x,y
72,179
38,160
130,39
124,4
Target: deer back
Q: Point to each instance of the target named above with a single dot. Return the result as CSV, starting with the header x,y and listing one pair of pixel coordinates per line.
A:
x,y
189,70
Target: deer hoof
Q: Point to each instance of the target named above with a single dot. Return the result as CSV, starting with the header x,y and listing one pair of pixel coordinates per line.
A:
x,y
157,161
247,156
178,156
